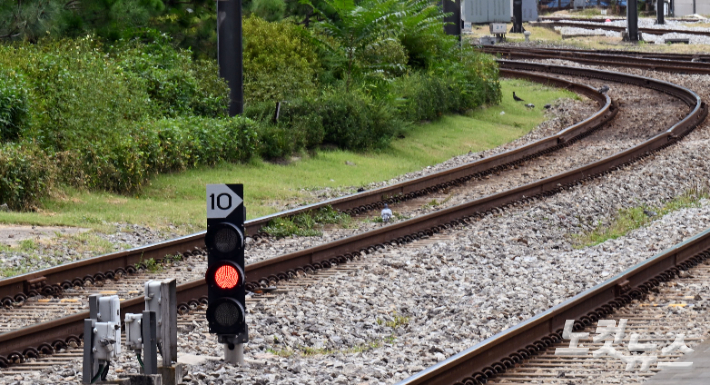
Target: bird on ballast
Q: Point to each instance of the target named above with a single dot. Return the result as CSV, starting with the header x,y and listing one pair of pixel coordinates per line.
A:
x,y
516,98
530,105
604,89
386,214
649,213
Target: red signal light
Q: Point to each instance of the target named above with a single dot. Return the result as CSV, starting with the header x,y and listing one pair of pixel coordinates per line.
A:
x,y
226,277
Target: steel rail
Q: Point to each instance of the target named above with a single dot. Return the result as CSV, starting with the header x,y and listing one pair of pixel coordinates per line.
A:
x,y
15,347
496,354
43,338
673,66
53,280
650,31
614,53
600,19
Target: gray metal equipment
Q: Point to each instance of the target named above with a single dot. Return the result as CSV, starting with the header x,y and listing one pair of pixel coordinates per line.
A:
x,y
529,10
161,298
487,11
102,337
660,19
155,330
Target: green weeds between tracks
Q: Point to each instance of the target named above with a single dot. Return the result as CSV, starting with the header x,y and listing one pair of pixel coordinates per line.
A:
x,y
307,224
636,217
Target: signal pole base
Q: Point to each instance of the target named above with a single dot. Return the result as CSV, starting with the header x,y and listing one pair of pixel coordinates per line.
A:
x,y
234,356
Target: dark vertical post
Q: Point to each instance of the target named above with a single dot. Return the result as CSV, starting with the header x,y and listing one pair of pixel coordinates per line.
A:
x,y
517,16
229,51
659,12
90,364
453,22
632,20
150,343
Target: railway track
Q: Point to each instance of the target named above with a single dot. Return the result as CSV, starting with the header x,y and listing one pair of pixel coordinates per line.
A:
x,y
47,337
53,281
603,19
620,29
698,60
659,298
682,64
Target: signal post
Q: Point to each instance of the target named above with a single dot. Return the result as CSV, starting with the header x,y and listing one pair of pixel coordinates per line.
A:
x,y
226,308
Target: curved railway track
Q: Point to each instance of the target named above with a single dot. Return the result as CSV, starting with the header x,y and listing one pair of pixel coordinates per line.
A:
x,y
620,29
680,64
525,352
611,54
46,337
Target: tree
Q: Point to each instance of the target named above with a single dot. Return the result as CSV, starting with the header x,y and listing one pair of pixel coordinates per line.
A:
x,y
355,29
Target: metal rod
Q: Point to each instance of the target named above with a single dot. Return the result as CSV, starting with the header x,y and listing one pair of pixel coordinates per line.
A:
x,y
235,355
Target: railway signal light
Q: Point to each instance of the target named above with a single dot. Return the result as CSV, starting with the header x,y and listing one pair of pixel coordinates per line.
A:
x,y
226,308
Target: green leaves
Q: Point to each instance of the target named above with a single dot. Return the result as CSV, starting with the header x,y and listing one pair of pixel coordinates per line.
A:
x,y
13,105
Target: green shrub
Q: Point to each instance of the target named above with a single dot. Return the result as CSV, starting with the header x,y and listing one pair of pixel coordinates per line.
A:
x,y
124,164
280,62
77,96
26,175
212,94
350,121
13,105
269,10
177,85
356,122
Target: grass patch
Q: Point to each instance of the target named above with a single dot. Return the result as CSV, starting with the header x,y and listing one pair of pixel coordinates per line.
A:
x,y
7,272
307,224
636,217
178,199
151,265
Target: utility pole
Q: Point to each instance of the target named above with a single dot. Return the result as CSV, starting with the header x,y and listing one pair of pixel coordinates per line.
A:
x,y
229,51
632,20
453,22
659,12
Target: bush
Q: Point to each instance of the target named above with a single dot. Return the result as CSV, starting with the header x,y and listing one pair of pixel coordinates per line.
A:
x,y
350,121
26,175
13,105
177,85
269,10
124,164
356,122
280,62
76,95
